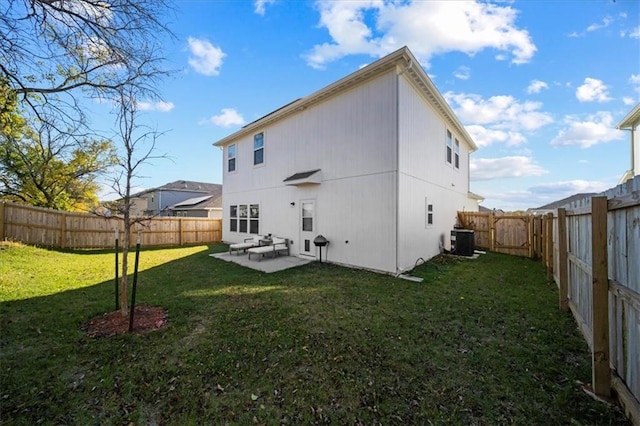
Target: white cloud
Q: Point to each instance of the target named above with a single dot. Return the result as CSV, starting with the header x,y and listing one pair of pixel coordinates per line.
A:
x,y
628,100
504,167
161,106
592,130
484,136
500,112
593,90
605,23
566,188
259,6
536,86
463,73
376,27
205,57
228,117
635,79
633,33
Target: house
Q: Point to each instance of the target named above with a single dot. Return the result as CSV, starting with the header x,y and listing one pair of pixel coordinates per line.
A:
x,y
165,200
376,162
205,206
551,207
631,122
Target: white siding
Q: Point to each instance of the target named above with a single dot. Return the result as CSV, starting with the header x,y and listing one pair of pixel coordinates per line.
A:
x,y
352,139
425,173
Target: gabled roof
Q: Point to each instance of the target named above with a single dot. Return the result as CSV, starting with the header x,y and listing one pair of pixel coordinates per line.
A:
x,y
402,58
186,185
631,120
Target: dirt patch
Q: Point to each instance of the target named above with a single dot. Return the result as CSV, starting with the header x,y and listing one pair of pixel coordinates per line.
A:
x,y
145,319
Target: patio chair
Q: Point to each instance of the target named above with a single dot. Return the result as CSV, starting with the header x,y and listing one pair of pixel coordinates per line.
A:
x,y
247,244
278,246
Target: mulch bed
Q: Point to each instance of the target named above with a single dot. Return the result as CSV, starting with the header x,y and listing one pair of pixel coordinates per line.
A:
x,y
145,319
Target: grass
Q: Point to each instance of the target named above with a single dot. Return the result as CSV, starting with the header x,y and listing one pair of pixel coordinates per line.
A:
x,y
479,342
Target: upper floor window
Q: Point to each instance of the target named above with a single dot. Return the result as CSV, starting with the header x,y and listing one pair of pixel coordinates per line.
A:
x,y
456,158
258,148
231,157
449,155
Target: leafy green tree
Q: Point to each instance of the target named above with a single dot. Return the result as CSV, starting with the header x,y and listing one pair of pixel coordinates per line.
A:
x,y
50,169
11,122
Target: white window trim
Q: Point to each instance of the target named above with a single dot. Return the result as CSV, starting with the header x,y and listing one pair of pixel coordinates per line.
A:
x,y
264,151
448,147
237,218
428,214
235,157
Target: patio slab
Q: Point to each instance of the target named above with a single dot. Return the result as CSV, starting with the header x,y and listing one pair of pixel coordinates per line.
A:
x,y
268,265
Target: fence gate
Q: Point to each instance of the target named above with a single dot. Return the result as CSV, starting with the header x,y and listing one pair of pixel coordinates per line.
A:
x,y
509,234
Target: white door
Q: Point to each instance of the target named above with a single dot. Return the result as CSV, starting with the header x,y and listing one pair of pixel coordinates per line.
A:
x,y
307,227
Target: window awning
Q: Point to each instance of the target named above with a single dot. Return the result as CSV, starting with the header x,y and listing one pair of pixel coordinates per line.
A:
x,y
304,178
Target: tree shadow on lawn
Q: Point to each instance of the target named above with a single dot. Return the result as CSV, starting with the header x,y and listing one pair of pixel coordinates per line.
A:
x,y
314,344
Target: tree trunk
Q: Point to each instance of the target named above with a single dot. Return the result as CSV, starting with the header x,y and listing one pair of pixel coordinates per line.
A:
x,y
126,242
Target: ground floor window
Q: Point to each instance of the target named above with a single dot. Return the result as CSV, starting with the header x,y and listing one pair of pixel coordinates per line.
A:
x,y
428,211
244,218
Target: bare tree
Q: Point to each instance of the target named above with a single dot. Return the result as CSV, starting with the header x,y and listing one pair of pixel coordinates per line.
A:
x,y
138,143
54,52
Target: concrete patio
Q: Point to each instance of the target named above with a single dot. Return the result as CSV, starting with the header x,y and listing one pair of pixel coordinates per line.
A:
x,y
266,264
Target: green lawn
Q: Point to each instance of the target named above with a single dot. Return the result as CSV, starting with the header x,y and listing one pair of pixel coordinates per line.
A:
x,y
479,342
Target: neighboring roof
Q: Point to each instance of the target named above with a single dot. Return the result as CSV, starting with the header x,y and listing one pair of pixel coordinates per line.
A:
x,y
192,201
207,202
632,119
186,185
402,57
564,201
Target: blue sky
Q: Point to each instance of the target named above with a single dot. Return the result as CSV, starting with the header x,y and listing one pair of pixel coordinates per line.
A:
x,y
540,85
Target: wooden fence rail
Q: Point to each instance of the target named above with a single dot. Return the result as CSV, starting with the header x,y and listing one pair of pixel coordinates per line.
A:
x,y
53,228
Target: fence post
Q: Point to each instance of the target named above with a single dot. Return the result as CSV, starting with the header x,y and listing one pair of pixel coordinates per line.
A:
x,y
530,235
539,249
180,240
549,246
2,221
600,279
562,259
492,232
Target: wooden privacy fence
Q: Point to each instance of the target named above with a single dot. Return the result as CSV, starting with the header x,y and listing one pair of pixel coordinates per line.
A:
x,y
591,249
595,261
502,233
53,228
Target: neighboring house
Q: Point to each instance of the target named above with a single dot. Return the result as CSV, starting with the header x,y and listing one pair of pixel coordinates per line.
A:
x,y
206,206
157,201
376,162
632,123
551,207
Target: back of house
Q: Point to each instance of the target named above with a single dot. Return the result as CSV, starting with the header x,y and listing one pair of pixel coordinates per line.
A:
x,y
376,163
